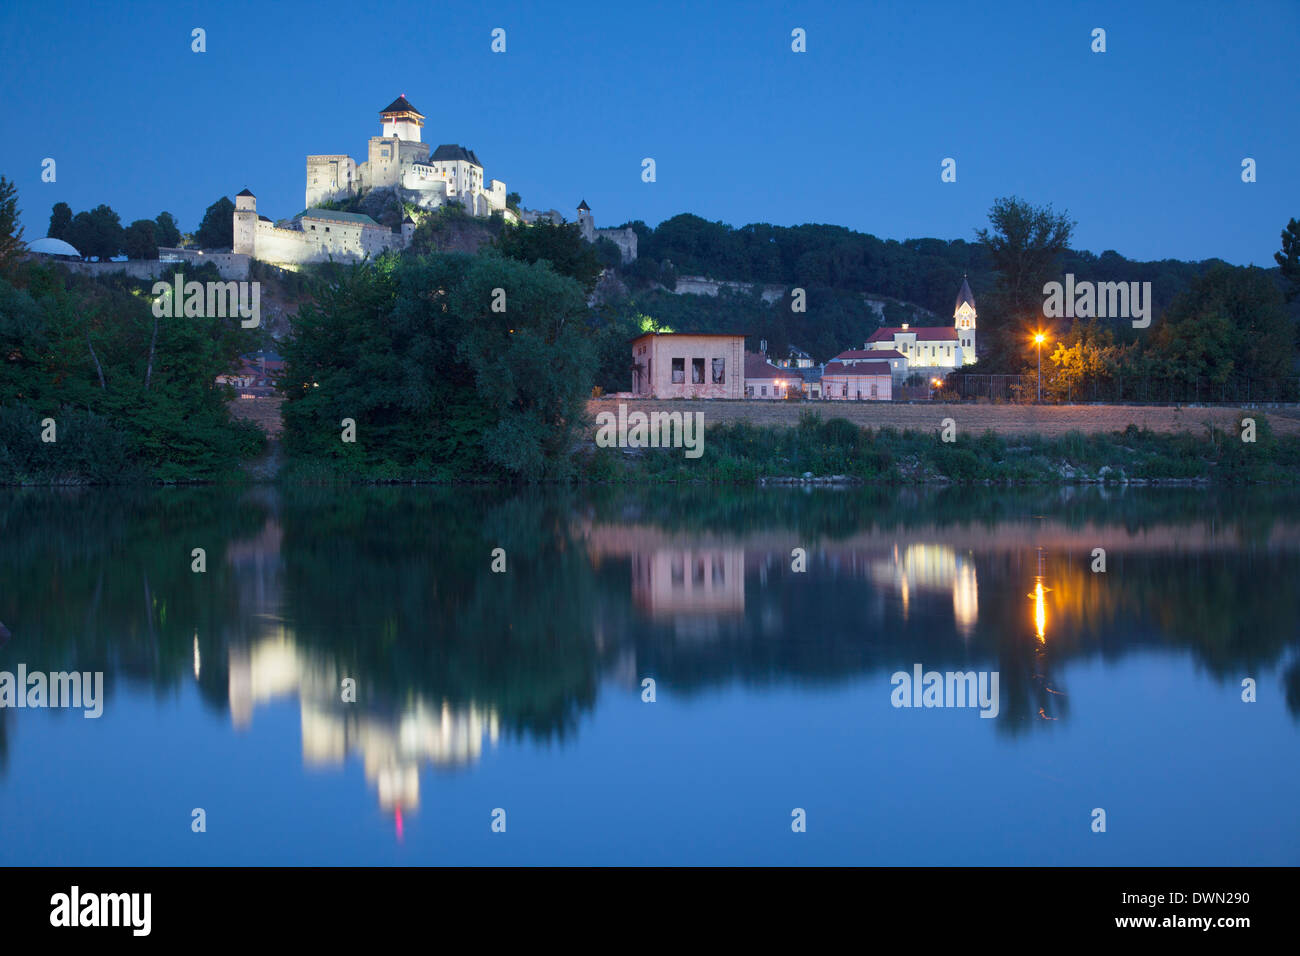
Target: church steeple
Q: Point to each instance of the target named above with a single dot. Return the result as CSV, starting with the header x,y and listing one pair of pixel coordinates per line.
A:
x,y
963,315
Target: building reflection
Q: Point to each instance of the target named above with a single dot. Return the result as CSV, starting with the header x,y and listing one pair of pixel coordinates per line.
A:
x,y
930,569
677,582
393,744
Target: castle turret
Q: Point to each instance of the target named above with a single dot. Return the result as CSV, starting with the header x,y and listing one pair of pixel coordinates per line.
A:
x,y
402,120
964,316
586,224
408,231
245,241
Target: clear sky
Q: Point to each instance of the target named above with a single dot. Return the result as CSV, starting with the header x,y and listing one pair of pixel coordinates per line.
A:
x,y
1143,144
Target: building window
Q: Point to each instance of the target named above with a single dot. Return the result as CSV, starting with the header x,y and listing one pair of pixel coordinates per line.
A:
x,y
764,391
873,390
679,371
697,371
719,371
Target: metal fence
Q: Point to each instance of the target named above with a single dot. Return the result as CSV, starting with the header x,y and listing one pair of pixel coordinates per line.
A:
x,y
1132,390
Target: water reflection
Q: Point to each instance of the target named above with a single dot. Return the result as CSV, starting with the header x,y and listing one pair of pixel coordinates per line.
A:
x,y
391,588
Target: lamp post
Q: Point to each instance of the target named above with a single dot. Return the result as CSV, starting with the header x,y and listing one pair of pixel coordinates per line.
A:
x,y
1038,341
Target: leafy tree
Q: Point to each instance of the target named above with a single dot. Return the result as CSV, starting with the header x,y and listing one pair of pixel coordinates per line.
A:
x,y
1025,245
1289,258
98,232
562,246
608,252
168,233
217,230
1229,330
513,200
139,240
438,382
11,233
1084,360
93,352
60,221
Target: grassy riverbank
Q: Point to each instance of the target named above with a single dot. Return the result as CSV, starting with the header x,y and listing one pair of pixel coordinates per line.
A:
x,y
823,449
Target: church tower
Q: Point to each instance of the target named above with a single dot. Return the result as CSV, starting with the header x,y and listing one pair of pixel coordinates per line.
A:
x,y
964,316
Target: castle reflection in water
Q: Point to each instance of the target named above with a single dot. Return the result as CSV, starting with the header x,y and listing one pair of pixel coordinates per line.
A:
x,y
694,588
393,746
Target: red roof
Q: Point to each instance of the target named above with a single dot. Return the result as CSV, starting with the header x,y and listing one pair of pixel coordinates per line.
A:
x,y
858,368
758,367
923,333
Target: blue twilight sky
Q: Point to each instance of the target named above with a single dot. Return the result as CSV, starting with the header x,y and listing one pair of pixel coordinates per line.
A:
x,y
1142,144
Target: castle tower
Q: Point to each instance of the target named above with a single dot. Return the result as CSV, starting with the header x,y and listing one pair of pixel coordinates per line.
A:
x,y
586,224
402,120
964,316
408,231
245,224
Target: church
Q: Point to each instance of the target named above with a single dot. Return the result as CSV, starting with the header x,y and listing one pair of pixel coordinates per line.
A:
x,y
929,349
397,158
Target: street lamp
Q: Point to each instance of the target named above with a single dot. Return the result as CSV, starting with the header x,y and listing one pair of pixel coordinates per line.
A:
x,y
1039,338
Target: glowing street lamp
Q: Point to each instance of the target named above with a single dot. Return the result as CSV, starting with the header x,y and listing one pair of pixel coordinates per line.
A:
x,y
1039,339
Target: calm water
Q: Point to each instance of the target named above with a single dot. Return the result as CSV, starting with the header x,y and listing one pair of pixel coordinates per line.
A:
x,y
523,690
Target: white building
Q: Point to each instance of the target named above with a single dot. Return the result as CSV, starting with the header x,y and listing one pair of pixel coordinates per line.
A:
x,y
765,380
933,349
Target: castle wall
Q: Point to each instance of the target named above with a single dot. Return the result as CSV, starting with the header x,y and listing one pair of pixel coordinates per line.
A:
x,y
625,239
229,265
331,176
320,241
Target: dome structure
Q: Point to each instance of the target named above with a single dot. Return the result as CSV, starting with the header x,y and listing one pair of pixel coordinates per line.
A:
x,y
52,247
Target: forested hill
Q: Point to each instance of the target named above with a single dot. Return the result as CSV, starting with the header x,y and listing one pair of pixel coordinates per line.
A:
x,y
926,272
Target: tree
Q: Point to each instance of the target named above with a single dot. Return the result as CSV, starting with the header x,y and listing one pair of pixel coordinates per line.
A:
x,y
1289,258
513,200
139,240
562,246
167,232
1229,331
436,379
217,230
97,233
60,221
11,233
78,347
1025,244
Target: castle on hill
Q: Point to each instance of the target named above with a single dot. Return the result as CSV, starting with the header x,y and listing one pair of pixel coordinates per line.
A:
x,y
397,159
